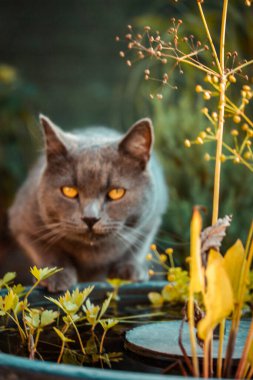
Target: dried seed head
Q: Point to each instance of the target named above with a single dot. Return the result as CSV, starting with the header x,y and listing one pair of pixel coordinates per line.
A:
x,y
207,157
208,78
237,119
129,36
198,88
117,39
215,116
129,63
245,127
147,72
215,79
147,28
159,96
223,158
234,132
163,258
187,143
149,257
232,78
121,54
200,140
164,61
207,95
248,155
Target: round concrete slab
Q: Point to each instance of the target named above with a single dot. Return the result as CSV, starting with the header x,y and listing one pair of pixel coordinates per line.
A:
x,y
160,340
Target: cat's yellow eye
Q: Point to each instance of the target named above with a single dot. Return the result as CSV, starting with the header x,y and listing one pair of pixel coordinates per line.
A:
x,y
69,192
116,194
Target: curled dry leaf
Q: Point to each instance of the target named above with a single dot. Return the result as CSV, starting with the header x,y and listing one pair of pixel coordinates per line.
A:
x,y
211,237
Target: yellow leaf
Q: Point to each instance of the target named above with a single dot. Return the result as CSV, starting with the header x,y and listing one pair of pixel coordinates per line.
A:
x,y
196,270
218,298
234,261
215,256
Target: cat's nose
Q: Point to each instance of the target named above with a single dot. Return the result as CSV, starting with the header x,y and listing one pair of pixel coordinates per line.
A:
x,y
90,221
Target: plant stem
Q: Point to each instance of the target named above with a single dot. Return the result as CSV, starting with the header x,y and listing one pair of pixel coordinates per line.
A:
x,y
219,137
61,352
78,335
220,349
102,342
210,38
244,357
21,331
206,356
222,103
192,333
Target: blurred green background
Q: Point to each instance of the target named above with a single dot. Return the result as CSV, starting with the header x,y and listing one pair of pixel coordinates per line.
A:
x,y
59,57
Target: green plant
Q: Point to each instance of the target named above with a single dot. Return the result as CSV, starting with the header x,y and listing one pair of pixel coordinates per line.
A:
x,y
73,314
213,277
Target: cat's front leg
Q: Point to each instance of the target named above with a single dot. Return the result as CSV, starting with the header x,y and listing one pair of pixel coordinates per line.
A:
x,y
129,270
62,280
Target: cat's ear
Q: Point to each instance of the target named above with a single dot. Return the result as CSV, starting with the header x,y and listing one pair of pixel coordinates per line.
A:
x,y
138,141
54,144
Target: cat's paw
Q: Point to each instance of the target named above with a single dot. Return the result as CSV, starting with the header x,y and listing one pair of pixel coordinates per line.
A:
x,y
130,271
61,281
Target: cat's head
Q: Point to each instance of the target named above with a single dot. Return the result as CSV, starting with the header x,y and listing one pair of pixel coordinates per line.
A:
x,y
96,186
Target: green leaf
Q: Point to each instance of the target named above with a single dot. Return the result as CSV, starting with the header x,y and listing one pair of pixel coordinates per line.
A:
x,y
108,323
10,301
47,317
56,302
44,273
18,289
105,305
62,336
8,277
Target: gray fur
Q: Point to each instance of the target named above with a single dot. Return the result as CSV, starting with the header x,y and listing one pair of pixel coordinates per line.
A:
x,y
49,227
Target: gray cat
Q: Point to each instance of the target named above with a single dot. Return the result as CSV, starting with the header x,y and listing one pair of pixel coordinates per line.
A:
x,y
92,204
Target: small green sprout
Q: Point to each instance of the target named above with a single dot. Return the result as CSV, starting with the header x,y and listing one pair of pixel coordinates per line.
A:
x,y
106,324
64,340
94,313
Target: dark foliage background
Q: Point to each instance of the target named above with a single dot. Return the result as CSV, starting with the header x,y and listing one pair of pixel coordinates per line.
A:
x,y
59,57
